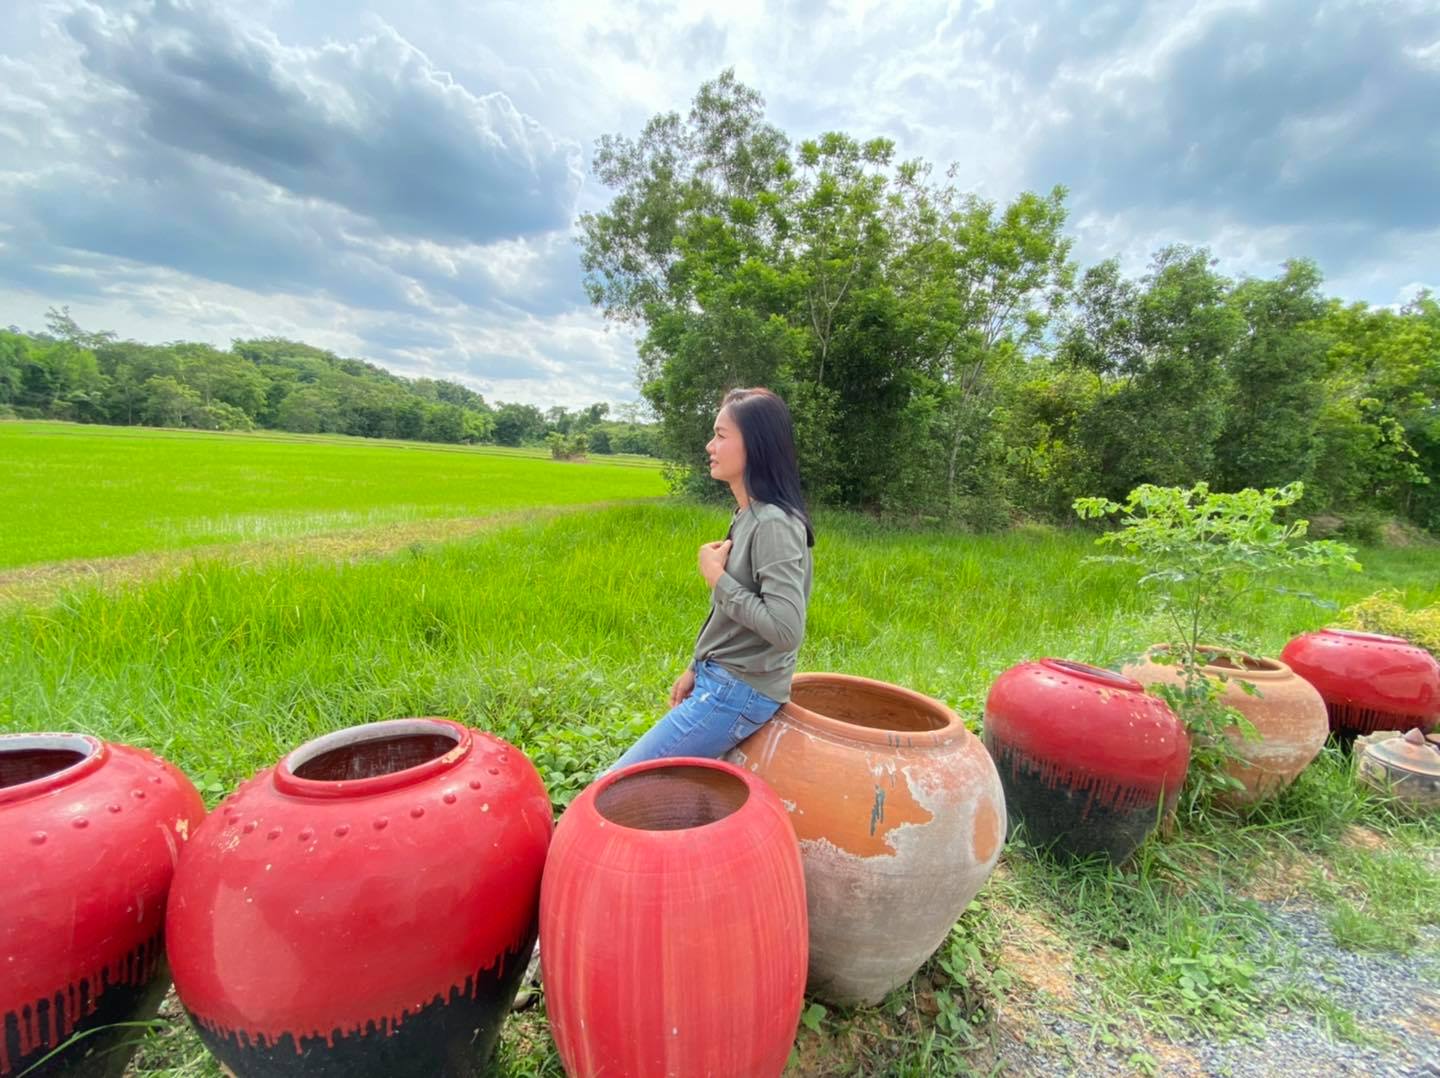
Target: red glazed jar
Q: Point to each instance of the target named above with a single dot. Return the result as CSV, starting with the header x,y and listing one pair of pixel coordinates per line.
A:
x,y
1088,760
366,907
89,833
1369,682
672,920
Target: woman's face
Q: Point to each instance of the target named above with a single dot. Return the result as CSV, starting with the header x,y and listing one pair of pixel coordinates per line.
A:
x,y
726,450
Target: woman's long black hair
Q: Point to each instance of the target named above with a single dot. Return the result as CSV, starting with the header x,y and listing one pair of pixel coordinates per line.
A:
x,y
772,474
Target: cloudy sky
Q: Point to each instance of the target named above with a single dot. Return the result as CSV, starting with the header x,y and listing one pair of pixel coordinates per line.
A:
x,y
399,180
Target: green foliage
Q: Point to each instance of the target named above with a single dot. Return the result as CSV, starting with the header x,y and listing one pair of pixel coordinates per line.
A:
x,y
571,447
1384,612
1205,556
270,383
884,306
940,358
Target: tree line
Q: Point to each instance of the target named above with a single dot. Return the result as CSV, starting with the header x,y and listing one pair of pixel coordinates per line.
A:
x,y
943,355
93,377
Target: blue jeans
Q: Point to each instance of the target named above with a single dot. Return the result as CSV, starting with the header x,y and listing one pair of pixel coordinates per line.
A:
x,y
720,712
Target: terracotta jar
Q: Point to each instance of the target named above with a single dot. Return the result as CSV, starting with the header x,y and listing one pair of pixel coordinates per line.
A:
x,y
1089,760
672,925
1403,766
365,907
1368,681
89,832
900,818
1285,709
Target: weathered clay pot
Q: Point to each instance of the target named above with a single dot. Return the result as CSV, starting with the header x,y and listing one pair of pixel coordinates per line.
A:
x,y
1089,760
1404,766
89,832
900,818
366,908
1286,710
672,923
1368,681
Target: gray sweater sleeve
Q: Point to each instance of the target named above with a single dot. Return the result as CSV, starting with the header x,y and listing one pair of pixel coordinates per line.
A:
x,y
777,612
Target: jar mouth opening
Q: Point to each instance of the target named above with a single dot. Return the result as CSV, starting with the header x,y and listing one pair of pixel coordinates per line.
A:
x,y
32,763
1094,673
672,797
374,757
1357,634
870,706
1238,660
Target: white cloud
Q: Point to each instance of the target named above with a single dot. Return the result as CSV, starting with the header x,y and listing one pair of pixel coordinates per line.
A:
x,y
398,180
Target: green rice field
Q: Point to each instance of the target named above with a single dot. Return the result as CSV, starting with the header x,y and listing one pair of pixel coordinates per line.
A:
x,y
69,491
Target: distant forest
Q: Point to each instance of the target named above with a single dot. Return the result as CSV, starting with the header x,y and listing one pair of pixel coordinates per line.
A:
x,y
92,377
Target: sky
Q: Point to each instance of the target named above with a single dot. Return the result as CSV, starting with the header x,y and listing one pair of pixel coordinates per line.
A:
x,y
399,181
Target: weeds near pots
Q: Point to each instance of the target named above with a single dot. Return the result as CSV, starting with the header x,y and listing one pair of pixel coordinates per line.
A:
x,y
1205,555
562,635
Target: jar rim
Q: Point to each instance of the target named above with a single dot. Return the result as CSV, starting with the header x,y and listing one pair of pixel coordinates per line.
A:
x,y
947,724
607,783
1097,674
92,751
287,779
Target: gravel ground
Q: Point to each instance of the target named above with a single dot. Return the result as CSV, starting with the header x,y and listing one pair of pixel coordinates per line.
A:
x,y
1394,996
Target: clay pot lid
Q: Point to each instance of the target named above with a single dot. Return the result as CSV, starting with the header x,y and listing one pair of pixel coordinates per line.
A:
x,y
1410,751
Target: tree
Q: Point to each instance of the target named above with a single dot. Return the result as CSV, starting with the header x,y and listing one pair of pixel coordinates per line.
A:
x,y
13,348
170,403
1160,347
873,300
1276,371
518,424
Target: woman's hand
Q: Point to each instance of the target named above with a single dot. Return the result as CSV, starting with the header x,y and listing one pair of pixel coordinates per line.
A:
x,y
712,560
683,687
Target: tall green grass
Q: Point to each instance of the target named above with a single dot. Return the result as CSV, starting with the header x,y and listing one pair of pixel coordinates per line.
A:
x,y
563,636
69,491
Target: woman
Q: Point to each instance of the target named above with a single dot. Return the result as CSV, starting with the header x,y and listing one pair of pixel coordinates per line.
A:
x,y
759,577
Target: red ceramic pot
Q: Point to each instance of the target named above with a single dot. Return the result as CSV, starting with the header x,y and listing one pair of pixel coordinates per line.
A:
x,y
672,923
1088,760
89,834
1369,682
366,907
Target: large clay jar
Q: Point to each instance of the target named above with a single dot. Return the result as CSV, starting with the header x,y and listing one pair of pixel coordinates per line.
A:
x,y
89,834
1089,760
673,925
1288,715
900,818
366,907
1369,682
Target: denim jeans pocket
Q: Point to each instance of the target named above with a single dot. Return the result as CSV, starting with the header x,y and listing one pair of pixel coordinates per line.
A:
x,y
756,710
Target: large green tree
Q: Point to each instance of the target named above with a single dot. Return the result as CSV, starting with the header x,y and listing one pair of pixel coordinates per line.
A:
x,y
881,304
